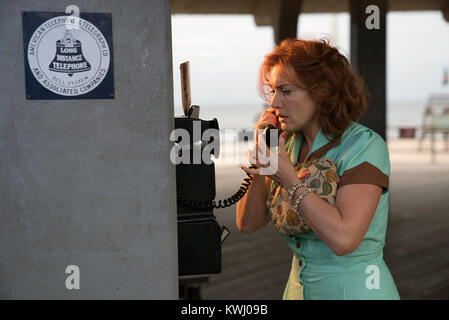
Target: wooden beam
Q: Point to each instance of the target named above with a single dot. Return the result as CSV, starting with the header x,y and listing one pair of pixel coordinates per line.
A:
x,y
264,12
308,6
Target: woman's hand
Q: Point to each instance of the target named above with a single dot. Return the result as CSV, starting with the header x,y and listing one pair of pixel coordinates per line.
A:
x,y
267,118
285,173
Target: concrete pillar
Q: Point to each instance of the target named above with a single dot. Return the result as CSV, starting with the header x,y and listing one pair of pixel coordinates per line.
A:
x,y
368,58
90,182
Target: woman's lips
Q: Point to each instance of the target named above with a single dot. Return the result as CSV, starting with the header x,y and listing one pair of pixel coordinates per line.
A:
x,y
282,118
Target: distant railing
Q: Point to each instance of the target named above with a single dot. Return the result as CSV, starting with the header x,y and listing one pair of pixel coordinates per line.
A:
x,y
235,142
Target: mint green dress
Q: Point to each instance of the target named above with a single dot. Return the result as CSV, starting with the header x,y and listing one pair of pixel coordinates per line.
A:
x,y
361,156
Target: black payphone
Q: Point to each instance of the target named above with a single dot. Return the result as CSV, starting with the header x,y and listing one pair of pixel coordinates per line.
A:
x,y
199,235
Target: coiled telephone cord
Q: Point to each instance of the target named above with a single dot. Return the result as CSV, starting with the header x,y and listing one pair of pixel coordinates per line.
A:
x,y
209,205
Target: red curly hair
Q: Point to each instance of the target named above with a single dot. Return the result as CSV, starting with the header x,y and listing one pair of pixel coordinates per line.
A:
x,y
327,75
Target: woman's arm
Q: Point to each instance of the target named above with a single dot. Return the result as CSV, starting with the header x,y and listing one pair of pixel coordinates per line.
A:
x,y
342,226
251,211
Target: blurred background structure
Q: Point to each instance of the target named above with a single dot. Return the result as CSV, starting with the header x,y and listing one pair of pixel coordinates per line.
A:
x,y
405,65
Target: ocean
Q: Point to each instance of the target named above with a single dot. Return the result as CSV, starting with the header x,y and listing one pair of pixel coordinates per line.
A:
x,y
402,114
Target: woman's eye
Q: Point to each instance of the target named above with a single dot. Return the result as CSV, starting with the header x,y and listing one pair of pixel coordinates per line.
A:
x,y
283,91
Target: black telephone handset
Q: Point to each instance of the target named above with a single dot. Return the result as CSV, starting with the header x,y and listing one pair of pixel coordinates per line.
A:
x,y
267,134
267,131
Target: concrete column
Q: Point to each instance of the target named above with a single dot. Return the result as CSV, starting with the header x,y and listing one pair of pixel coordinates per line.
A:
x,y
368,58
90,182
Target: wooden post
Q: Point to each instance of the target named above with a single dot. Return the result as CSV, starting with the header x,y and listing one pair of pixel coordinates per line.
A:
x,y
285,20
368,59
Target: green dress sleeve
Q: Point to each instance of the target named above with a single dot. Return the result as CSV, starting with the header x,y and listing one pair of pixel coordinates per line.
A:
x,y
365,160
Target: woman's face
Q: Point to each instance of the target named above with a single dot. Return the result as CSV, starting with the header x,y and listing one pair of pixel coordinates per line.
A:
x,y
294,106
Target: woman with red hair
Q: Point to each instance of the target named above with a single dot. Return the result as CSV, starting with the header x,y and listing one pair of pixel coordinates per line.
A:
x,y
328,195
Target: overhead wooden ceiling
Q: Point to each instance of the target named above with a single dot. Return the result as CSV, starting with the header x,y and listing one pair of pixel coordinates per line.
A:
x,y
262,9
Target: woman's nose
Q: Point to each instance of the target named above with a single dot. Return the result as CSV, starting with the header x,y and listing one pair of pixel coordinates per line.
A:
x,y
275,103
275,106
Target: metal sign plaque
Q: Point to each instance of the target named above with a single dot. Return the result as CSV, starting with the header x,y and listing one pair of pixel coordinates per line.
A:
x,y
68,57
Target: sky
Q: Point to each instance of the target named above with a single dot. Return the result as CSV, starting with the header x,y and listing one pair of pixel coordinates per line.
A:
x,y
225,52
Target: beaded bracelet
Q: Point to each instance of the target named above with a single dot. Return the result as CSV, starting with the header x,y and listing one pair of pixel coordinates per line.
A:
x,y
292,189
299,200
